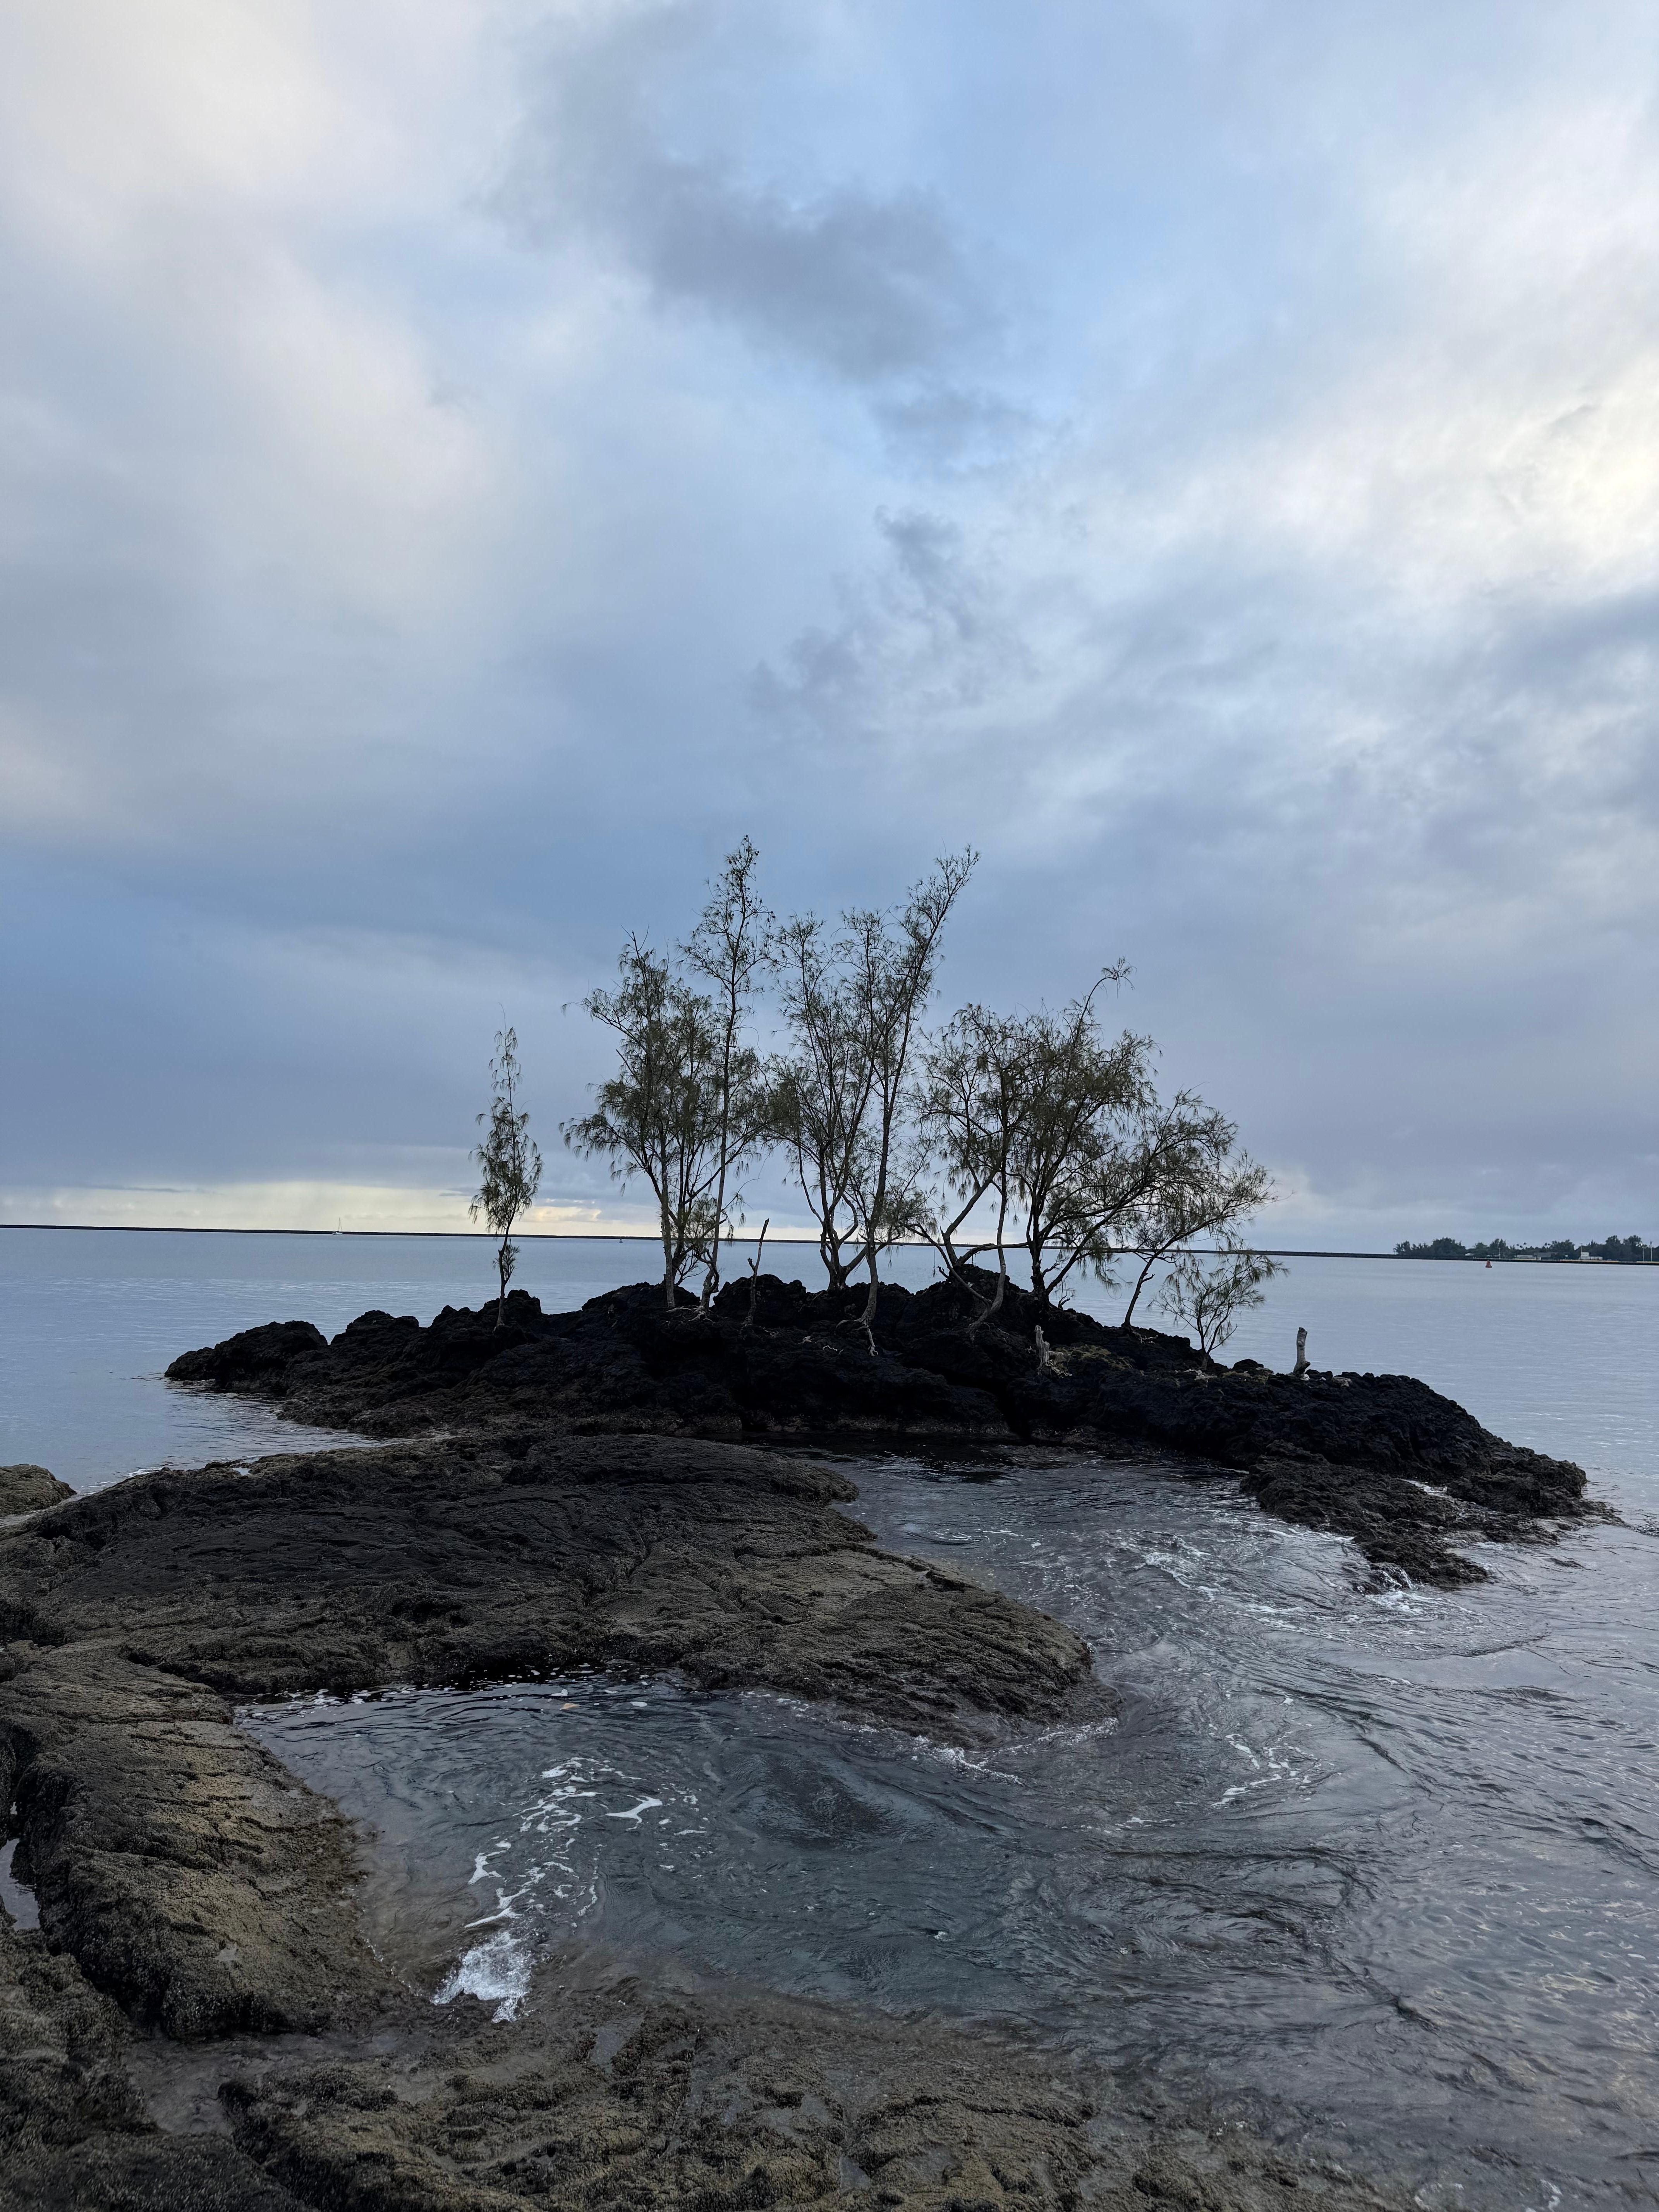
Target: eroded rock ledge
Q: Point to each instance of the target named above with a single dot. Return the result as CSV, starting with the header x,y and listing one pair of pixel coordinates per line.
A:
x,y
185,1868
1379,1458
199,1956
609,2099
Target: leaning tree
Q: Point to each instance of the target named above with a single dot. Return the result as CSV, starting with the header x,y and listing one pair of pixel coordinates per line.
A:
x,y
1048,1134
1210,1291
1205,1187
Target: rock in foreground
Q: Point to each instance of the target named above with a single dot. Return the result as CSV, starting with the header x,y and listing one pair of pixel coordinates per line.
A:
x,y
1379,1458
158,1839
188,1886
25,1488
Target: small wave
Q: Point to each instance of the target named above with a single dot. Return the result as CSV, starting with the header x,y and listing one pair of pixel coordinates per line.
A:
x,y
495,1972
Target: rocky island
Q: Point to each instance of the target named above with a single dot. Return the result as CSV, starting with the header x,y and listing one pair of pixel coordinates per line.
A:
x,y
1382,1459
199,2020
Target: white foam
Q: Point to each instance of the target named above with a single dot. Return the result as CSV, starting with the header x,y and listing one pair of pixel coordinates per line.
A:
x,y
495,1972
634,1812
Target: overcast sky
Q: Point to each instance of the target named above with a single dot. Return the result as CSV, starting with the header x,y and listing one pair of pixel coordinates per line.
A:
x,y
463,465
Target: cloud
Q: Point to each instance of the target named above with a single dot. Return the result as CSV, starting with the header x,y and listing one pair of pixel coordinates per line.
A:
x,y
868,286
459,471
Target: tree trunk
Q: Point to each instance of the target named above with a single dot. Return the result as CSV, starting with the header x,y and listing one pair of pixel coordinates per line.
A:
x,y
754,1273
503,1268
1141,1285
995,1306
871,1304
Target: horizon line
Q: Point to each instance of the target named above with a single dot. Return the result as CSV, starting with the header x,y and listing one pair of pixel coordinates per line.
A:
x,y
632,1236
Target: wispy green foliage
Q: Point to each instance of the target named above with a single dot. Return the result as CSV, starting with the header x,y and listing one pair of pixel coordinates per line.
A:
x,y
852,1004
659,1115
730,946
1198,1184
1049,1135
1041,1134
1209,1295
509,1162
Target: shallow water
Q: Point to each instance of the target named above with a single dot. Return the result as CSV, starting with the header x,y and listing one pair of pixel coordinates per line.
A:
x,y
1380,1866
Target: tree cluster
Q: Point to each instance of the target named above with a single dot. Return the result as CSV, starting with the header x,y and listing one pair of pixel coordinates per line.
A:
x,y
990,1135
1631,1251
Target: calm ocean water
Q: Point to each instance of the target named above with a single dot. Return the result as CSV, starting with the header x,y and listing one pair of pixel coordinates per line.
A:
x,y
1563,1358
1376,1871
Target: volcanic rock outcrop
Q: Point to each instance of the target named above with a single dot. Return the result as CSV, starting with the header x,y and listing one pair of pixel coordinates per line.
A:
x,y
1382,1459
198,2024
25,1489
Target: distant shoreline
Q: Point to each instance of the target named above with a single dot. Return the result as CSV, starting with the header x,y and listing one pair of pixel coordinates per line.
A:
x,y
639,1237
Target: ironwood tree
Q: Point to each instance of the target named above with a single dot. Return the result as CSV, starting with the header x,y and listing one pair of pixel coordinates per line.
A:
x,y
730,947
1210,1292
1039,1135
659,1115
852,1003
509,1162
1049,1135
1204,1187
974,1105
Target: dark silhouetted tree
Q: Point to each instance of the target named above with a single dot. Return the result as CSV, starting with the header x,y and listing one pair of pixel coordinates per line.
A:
x,y
1210,1295
1199,1185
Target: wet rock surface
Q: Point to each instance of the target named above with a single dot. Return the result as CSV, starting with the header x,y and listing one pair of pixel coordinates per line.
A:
x,y
482,1558
619,2096
629,2096
189,1873
1382,1459
198,2021
199,1884
74,2131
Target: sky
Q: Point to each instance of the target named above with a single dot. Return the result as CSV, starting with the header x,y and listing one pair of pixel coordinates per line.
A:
x,y
463,465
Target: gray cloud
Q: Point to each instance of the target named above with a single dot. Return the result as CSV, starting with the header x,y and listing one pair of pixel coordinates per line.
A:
x,y
871,287
1271,598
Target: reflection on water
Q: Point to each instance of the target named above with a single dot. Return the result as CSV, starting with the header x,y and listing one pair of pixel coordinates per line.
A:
x,y
1383,1863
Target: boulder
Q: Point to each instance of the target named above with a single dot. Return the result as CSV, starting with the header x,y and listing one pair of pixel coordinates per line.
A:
x,y
26,1488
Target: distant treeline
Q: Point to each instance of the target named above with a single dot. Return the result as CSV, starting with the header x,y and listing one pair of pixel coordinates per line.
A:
x,y
1630,1251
